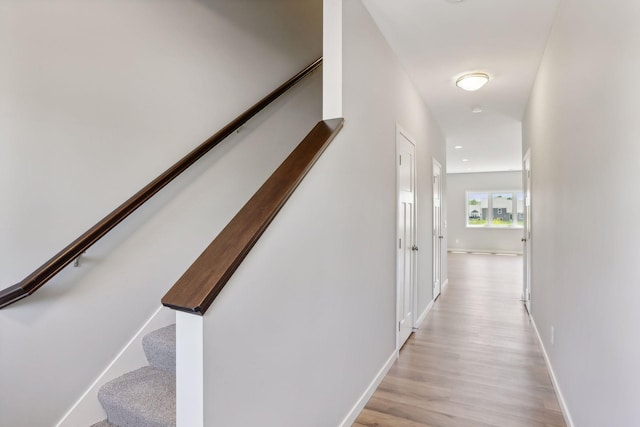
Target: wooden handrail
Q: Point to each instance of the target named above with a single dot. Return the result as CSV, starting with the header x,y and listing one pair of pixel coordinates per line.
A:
x,y
202,282
44,273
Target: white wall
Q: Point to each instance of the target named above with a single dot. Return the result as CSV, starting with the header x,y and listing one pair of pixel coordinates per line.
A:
x,y
308,319
461,237
97,98
583,130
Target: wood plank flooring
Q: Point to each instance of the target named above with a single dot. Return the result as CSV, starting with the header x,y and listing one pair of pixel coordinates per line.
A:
x,y
474,362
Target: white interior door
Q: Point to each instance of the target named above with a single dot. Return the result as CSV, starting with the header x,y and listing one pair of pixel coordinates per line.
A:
x,y
406,246
526,238
437,229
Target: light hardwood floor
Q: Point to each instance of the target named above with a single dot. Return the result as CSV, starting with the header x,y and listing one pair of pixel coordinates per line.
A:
x,y
474,362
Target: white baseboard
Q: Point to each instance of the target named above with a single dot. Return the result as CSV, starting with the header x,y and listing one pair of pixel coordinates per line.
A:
x,y
484,251
362,402
87,410
445,284
420,319
554,380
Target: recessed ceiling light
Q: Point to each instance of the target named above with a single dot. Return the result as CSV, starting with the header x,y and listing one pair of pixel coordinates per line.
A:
x,y
472,81
476,109
458,147
465,160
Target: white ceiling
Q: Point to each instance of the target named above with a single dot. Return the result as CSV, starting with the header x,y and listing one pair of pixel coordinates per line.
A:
x,y
438,40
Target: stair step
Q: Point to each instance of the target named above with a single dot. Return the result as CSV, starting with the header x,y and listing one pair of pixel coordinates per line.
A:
x,y
145,397
160,348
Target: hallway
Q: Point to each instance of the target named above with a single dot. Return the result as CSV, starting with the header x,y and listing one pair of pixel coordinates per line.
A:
x,y
475,361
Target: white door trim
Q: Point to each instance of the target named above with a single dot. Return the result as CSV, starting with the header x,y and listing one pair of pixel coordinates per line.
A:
x,y
526,232
436,233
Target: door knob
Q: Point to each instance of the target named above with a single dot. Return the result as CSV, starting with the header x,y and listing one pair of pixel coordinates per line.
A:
x,y
523,240
414,248
440,237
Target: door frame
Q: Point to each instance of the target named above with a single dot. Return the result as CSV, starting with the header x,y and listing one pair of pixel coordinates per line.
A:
x,y
401,133
526,232
436,235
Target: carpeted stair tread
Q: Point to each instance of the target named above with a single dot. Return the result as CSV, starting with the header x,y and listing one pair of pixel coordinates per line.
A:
x,y
145,397
104,423
160,348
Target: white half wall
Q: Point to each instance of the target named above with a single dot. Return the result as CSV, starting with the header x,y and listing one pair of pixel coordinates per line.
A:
x,y
461,237
97,99
308,320
583,130
332,59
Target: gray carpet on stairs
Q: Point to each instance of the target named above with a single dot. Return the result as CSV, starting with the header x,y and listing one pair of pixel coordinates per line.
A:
x,y
104,423
160,348
143,398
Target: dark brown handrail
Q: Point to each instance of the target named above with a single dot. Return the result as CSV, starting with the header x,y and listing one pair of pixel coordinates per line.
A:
x,y
202,282
44,273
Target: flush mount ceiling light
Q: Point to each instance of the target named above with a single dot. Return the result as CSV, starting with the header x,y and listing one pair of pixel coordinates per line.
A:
x,y
472,81
465,160
476,109
458,147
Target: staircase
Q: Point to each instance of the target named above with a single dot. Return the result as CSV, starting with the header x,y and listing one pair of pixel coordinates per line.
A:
x,y
145,397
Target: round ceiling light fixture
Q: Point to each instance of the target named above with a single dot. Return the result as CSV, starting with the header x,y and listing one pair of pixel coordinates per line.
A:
x,y
476,109
472,81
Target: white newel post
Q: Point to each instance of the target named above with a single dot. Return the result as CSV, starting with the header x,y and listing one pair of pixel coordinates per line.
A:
x,y
189,370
